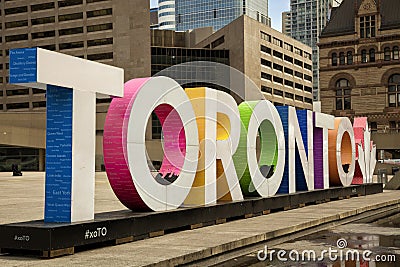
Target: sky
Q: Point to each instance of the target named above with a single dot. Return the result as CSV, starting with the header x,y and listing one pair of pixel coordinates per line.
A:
x,y
276,7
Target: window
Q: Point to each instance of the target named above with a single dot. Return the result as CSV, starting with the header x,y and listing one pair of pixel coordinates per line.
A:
x,y
387,54
266,63
307,78
394,127
288,71
289,95
298,51
44,20
334,59
266,89
24,105
308,100
367,27
218,42
364,56
18,37
265,49
349,58
17,92
96,42
278,67
51,47
70,31
277,41
67,17
308,89
278,54
288,59
298,86
372,55
71,45
288,47
395,52
38,91
16,10
342,59
373,126
278,80
16,24
265,36
307,55
343,95
266,76
100,56
42,6
394,90
98,13
289,83
298,63
69,3
278,92
156,128
47,34
41,104
100,27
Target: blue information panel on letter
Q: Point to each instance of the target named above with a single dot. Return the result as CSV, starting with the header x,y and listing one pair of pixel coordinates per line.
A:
x,y
58,154
23,65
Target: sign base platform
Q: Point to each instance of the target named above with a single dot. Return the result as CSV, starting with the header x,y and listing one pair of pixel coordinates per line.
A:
x,y
110,228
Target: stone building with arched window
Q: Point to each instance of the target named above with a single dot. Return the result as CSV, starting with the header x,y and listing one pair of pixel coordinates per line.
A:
x,y
360,67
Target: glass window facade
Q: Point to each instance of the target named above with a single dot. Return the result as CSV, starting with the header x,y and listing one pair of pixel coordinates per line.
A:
x,y
165,57
204,13
308,18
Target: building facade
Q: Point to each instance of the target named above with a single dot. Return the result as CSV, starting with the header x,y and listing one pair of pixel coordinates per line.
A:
x,y
308,18
360,68
286,22
154,18
278,65
166,14
111,31
204,13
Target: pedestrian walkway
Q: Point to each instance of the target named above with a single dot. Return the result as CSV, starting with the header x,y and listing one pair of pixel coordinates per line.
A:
x,y
188,246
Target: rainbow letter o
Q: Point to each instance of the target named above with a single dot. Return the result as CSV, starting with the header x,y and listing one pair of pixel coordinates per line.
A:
x,y
125,150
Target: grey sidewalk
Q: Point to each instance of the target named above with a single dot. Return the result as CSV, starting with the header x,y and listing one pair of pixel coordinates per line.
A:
x,y
26,204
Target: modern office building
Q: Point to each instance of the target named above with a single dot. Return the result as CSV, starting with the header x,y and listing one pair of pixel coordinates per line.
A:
x,y
110,31
279,66
118,33
154,18
166,14
286,22
308,18
360,68
192,14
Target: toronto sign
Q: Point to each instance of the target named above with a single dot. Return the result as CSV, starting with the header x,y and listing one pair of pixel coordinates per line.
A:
x,y
214,150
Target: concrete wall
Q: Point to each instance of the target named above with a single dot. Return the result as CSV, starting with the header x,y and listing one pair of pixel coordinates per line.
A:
x,y
132,38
